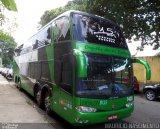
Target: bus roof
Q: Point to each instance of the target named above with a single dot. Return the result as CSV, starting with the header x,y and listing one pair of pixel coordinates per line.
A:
x,y
68,13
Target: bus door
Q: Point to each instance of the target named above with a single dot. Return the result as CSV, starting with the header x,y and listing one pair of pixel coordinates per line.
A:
x,y
66,85
62,64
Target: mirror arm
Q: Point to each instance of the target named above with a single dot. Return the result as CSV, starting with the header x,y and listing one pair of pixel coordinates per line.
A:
x,y
81,63
146,65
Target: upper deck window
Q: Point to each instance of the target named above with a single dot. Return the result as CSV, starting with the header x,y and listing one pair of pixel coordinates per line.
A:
x,y
97,30
61,29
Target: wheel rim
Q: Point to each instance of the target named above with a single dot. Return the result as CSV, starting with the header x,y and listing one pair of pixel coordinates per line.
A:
x,y
47,103
150,95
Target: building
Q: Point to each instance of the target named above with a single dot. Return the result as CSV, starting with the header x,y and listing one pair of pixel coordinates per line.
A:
x,y
153,58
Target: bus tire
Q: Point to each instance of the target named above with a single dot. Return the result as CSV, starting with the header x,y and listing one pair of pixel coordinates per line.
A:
x,y
15,81
38,99
47,103
19,85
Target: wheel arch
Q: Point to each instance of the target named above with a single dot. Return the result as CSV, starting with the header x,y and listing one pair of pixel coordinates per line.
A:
x,y
147,89
46,88
36,88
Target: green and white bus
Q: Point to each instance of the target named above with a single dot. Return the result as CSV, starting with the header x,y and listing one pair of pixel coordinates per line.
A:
x,y
80,67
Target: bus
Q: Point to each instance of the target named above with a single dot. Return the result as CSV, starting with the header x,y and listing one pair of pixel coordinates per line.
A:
x,y
79,66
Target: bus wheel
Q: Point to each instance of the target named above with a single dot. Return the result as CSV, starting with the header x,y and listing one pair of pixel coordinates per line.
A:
x,y
38,98
19,85
47,103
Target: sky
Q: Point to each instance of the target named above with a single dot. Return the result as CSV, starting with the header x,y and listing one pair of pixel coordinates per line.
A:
x,y
28,16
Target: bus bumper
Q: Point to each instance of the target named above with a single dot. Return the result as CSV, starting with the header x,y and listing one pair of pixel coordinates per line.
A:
x,y
101,117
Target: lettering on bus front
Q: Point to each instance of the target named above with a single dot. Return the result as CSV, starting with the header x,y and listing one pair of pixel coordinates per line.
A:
x,y
97,30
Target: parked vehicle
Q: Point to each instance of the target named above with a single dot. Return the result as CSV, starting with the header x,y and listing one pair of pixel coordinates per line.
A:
x,y
152,92
9,74
136,84
1,70
4,71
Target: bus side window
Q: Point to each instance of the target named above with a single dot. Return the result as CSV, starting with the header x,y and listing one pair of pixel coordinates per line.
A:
x,y
42,38
49,33
66,73
54,32
61,29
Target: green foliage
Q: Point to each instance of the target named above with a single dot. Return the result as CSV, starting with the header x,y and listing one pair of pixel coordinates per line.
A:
x,y
7,46
9,4
49,15
140,18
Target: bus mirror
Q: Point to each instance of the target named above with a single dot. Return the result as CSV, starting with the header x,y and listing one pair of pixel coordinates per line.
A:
x,y
81,63
145,64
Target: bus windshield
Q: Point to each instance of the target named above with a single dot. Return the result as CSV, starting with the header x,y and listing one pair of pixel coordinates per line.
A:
x,y
93,29
108,77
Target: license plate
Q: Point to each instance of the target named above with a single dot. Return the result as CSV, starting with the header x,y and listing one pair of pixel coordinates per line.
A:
x,y
112,117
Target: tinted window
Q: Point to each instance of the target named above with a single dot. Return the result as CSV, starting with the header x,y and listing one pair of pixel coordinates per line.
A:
x,y
61,29
66,73
107,77
42,38
97,30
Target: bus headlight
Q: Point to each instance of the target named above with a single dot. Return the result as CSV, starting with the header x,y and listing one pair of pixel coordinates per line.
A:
x,y
85,109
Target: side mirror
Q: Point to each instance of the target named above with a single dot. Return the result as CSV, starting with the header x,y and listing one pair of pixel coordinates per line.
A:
x,y
146,65
81,63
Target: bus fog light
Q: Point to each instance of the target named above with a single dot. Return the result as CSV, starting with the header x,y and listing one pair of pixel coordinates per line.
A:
x,y
81,121
129,104
85,109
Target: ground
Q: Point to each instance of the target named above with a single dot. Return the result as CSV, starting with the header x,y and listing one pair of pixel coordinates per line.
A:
x,y
18,110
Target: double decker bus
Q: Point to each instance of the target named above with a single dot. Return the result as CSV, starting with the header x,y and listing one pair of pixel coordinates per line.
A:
x,y
80,67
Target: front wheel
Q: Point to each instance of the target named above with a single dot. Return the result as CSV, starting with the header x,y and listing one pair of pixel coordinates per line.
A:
x,y
150,95
38,99
47,103
19,85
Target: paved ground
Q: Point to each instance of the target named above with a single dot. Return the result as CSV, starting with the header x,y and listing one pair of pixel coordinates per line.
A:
x,y
145,111
18,107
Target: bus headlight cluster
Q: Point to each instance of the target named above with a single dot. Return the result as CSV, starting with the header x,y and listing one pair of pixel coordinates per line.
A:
x,y
130,99
85,109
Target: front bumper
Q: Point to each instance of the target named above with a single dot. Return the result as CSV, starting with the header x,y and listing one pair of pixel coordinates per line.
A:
x,y
101,117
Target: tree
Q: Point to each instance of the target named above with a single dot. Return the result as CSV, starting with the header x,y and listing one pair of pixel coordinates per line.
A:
x,y
7,43
49,15
7,46
10,5
139,19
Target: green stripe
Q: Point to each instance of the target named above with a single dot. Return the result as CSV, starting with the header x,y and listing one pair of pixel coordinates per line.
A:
x,y
50,57
100,49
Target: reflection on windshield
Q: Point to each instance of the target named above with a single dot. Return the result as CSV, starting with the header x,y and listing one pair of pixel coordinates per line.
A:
x,y
97,30
107,77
